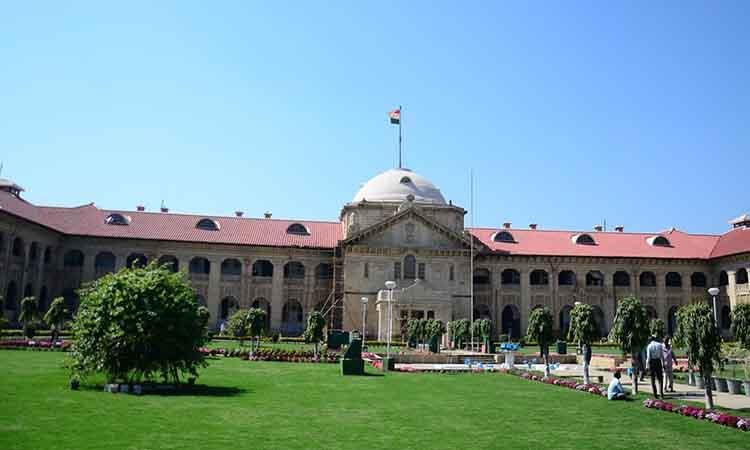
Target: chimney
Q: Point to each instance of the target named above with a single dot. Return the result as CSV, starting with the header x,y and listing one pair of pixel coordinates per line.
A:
x,y
598,227
140,208
532,226
506,225
620,228
238,213
267,215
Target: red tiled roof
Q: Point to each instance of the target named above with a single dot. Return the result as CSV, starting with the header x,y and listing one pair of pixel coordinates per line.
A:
x,y
608,244
88,220
733,242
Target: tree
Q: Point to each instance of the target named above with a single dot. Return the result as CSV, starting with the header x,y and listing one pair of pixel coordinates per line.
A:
x,y
658,329
55,317
741,324
247,323
412,331
29,316
435,329
583,329
460,331
314,331
483,329
630,331
540,330
137,324
698,335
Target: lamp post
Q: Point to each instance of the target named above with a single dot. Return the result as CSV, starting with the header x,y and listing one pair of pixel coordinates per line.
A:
x,y
390,285
713,292
364,319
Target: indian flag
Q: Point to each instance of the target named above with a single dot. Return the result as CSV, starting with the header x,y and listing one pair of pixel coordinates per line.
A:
x,y
395,116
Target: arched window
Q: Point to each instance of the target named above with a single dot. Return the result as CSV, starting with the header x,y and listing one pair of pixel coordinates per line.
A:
x,y
104,263
565,320
482,311
73,258
726,317
673,279
199,266
262,303
566,278
594,278
227,307
291,318
294,270
207,224
262,268
2,242
324,272
659,241
117,219
648,279
410,267
28,291
172,264
651,311
698,279
70,298
34,251
297,228
621,279
510,322
503,236
741,276
510,276
538,277
482,276
47,255
231,266
583,239
11,296
723,278
43,299
601,324
672,320
17,249
136,260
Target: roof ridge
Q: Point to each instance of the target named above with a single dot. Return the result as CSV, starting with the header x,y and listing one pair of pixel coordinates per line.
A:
x,y
639,233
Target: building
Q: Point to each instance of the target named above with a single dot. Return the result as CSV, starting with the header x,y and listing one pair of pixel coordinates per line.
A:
x,y
397,227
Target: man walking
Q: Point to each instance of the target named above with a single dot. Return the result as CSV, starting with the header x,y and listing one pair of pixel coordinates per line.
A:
x,y
655,361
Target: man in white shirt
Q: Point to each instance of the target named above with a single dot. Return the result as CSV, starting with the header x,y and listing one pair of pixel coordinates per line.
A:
x,y
655,363
615,390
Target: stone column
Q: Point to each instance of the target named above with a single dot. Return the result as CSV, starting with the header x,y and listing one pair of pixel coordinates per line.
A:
x,y
635,282
525,307
661,295
687,287
214,288
40,276
732,287
24,269
277,293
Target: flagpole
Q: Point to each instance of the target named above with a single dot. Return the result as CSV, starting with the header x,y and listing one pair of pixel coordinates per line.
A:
x,y
400,119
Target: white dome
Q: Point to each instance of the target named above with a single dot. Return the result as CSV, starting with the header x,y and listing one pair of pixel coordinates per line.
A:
x,y
396,185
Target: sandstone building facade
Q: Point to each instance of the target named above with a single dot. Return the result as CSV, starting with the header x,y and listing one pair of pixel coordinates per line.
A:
x,y
397,227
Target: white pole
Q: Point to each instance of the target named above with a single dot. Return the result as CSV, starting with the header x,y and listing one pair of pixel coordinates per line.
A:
x,y
716,318
390,323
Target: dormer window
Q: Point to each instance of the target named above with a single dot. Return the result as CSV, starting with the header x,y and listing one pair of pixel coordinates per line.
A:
x,y
405,180
208,225
503,236
658,241
583,239
117,219
297,228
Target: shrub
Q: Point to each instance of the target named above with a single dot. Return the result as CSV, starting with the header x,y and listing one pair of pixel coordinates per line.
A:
x,y
137,324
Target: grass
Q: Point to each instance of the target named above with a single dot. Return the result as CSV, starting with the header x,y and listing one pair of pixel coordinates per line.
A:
x,y
293,406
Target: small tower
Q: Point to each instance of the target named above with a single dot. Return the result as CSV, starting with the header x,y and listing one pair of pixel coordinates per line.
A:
x,y
742,221
11,187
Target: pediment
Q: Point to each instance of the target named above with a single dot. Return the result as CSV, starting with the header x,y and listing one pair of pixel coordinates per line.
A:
x,y
411,229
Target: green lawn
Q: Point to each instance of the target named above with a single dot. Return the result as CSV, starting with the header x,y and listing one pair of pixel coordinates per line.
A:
x,y
285,405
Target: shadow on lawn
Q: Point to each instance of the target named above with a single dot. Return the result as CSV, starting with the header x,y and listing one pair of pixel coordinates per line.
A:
x,y
197,390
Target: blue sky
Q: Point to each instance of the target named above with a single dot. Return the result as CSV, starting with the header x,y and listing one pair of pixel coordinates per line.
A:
x,y
567,112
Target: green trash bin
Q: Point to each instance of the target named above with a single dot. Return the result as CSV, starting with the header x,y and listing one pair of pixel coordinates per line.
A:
x,y
562,348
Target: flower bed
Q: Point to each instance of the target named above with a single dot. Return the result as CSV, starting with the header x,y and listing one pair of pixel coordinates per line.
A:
x,y
266,354
727,420
31,344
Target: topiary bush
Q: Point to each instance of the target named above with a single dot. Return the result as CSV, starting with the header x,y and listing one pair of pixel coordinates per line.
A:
x,y
138,324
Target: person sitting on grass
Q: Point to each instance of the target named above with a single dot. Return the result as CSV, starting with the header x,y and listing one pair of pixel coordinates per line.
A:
x,y
615,390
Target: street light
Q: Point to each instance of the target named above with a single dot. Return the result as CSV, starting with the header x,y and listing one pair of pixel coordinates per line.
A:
x,y
364,319
713,292
390,285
